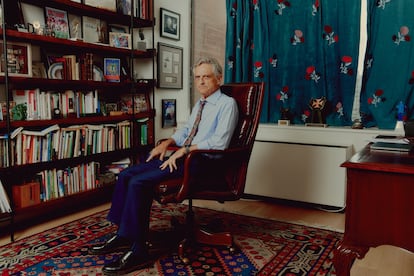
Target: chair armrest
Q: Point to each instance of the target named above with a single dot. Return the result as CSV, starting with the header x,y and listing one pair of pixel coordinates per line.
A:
x,y
234,157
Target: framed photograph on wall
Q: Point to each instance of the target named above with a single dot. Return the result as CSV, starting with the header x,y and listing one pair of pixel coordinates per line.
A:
x,y
170,66
170,24
169,118
19,59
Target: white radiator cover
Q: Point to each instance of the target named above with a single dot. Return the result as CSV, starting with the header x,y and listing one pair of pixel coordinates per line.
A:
x,y
303,163
301,172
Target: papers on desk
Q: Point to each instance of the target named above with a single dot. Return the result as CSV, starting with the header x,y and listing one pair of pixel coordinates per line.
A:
x,y
391,143
392,147
396,139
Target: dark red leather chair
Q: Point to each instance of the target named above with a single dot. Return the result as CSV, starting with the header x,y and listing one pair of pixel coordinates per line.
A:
x,y
228,174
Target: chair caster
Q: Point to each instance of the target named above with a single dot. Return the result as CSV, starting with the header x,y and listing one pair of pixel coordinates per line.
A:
x,y
185,260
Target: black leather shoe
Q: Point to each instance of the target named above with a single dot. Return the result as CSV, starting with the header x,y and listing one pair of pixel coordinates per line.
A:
x,y
127,263
114,244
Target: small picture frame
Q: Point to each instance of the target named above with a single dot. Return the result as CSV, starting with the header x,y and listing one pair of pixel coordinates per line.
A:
x,y
120,40
94,30
170,24
39,70
170,66
109,107
169,118
117,28
75,27
57,21
112,69
19,58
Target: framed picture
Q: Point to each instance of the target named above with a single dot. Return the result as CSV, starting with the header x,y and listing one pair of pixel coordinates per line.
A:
x,y
170,66
120,40
112,69
57,21
109,5
117,28
39,70
34,18
170,24
94,30
19,59
169,108
75,26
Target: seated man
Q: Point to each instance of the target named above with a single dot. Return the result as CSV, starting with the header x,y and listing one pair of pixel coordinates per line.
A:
x,y
210,126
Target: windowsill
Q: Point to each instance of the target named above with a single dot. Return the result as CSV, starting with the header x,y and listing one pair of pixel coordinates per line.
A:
x,y
331,136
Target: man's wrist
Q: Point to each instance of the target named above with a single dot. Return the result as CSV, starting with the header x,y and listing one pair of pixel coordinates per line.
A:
x,y
187,149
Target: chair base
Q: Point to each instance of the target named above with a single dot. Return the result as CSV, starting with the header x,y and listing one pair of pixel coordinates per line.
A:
x,y
204,235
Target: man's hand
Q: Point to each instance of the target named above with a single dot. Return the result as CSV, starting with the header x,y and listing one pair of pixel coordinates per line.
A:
x,y
160,150
172,161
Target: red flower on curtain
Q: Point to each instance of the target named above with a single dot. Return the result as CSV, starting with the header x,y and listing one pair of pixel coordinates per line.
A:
x,y
305,115
345,65
233,10
339,109
256,4
230,62
282,4
402,35
411,81
283,94
315,7
311,74
377,98
381,3
273,60
330,35
258,65
297,37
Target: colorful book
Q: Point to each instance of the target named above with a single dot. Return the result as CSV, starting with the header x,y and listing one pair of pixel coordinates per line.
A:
x,y
112,69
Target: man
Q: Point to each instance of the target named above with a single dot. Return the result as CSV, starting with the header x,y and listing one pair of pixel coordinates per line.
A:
x,y
133,194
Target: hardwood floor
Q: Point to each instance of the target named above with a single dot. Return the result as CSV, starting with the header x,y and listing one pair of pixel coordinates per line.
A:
x,y
383,260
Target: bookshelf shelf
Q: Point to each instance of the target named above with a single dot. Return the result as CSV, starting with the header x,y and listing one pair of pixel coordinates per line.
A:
x,y
73,45
74,99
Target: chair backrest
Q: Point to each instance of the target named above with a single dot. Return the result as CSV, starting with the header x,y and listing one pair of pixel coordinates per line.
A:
x,y
249,97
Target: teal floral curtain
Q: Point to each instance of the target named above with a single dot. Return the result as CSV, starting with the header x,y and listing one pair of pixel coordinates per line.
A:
x,y
387,94
305,51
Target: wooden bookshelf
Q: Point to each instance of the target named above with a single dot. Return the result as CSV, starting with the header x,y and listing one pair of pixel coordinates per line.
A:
x,y
142,122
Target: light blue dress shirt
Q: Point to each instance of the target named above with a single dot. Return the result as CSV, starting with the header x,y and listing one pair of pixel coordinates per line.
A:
x,y
218,121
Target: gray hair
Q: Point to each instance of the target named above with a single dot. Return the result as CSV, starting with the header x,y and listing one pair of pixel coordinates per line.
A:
x,y
217,69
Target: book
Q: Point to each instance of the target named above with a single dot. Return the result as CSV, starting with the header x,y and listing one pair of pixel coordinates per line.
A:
x,y
388,146
57,20
102,4
4,200
124,7
94,30
112,69
42,132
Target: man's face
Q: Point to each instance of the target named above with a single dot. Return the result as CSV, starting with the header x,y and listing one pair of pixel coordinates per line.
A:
x,y
206,82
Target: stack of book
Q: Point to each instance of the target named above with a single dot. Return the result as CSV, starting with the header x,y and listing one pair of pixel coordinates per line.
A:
x,y
391,143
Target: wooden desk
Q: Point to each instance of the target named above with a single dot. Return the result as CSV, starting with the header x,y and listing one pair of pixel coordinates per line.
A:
x,y
379,205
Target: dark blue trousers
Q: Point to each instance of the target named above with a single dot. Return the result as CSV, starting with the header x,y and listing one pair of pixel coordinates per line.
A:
x,y
132,200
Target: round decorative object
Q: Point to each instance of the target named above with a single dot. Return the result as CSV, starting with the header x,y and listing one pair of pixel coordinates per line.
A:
x,y
56,113
56,71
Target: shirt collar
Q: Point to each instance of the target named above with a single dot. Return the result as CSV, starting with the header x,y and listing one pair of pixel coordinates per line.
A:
x,y
213,98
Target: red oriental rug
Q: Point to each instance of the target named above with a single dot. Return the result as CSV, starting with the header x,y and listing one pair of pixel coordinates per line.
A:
x,y
265,247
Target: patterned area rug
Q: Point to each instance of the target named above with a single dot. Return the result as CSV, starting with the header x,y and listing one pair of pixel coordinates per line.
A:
x,y
265,247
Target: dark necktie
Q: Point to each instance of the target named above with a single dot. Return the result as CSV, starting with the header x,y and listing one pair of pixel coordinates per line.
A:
x,y
196,123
